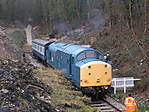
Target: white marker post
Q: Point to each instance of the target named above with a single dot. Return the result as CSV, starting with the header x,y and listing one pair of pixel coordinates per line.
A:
x,y
125,82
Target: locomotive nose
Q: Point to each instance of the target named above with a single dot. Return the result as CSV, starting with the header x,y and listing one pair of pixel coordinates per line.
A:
x,y
95,73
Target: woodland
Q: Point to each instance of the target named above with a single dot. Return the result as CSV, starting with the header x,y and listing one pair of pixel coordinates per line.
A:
x,y
131,13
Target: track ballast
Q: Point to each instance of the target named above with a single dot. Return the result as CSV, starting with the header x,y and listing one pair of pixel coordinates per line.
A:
x,y
108,105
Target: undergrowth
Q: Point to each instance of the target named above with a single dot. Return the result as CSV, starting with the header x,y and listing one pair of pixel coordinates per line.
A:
x,y
17,36
64,92
85,109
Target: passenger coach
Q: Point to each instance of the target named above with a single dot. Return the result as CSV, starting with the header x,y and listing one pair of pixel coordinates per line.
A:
x,y
39,48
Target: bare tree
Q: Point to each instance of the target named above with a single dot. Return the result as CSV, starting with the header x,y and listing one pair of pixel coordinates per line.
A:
x,y
145,13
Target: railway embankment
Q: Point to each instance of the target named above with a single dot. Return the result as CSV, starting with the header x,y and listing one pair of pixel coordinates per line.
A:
x,y
8,47
65,96
20,91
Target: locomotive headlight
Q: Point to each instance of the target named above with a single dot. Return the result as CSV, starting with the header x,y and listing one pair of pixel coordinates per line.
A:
x,y
86,81
98,80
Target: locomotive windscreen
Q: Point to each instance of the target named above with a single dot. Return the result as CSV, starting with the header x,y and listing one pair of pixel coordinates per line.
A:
x,y
88,54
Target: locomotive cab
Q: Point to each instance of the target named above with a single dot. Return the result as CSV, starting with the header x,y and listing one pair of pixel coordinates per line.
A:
x,y
94,71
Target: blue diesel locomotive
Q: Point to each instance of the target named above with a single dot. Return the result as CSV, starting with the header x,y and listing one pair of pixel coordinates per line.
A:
x,y
86,67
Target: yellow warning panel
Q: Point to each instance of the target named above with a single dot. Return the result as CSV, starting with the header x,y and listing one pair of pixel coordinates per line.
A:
x,y
96,73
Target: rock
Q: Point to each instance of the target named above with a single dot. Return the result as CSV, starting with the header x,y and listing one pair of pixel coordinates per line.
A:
x,y
19,90
4,91
5,109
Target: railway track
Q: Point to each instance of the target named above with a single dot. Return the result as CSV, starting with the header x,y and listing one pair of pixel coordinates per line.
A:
x,y
108,105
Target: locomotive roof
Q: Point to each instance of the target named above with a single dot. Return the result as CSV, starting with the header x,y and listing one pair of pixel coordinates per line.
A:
x,y
76,49
41,42
68,48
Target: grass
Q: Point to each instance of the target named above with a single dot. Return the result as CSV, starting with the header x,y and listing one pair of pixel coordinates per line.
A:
x,y
18,36
119,96
143,109
64,91
85,109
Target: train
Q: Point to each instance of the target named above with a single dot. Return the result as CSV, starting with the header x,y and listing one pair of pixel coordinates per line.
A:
x,y
85,67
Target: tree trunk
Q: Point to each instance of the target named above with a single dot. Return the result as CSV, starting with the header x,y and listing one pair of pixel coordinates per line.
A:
x,y
145,17
130,13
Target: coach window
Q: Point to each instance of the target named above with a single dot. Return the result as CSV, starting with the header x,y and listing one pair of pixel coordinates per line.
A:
x,y
41,49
